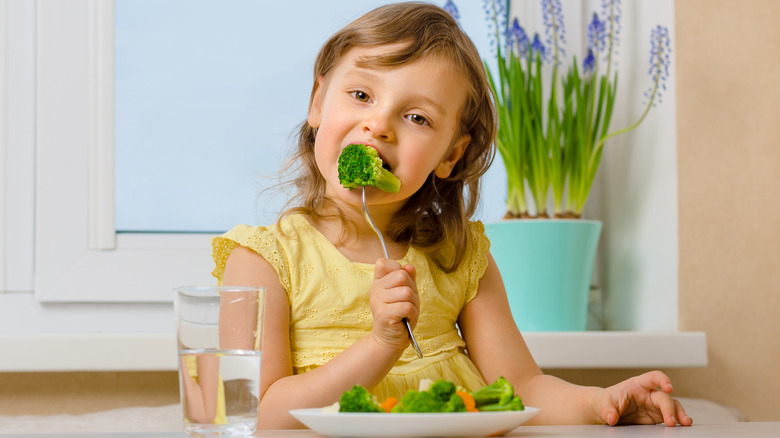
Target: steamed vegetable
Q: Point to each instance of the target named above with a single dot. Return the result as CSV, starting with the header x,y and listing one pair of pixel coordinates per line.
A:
x,y
513,404
419,401
436,397
360,165
439,397
358,399
499,392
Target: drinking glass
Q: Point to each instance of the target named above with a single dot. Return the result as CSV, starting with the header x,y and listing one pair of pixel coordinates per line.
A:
x,y
219,335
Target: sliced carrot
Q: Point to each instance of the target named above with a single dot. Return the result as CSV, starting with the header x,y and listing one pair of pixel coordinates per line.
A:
x,y
468,400
389,403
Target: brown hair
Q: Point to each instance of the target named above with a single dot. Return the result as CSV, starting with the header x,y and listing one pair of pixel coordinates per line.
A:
x,y
435,219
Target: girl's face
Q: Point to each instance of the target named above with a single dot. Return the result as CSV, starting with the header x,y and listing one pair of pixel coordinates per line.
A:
x,y
409,114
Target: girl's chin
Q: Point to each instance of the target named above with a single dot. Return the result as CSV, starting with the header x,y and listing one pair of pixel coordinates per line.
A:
x,y
346,196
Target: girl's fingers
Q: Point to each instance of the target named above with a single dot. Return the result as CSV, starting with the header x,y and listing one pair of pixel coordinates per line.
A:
x,y
385,266
389,274
411,271
671,409
650,401
668,407
682,416
394,293
609,415
404,300
656,379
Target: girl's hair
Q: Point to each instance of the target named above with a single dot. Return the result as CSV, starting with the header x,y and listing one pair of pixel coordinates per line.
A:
x,y
435,219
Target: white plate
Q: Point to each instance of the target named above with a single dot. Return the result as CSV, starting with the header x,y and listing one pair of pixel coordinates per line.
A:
x,y
412,425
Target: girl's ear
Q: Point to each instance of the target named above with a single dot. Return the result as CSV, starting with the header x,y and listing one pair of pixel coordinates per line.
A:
x,y
445,167
315,107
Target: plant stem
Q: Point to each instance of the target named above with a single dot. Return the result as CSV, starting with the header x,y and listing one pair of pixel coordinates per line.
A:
x,y
603,139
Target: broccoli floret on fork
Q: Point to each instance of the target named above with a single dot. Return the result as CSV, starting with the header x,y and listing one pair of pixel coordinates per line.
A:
x,y
360,165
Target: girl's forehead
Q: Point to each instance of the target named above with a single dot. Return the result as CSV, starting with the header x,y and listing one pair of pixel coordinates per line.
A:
x,y
434,77
361,63
372,56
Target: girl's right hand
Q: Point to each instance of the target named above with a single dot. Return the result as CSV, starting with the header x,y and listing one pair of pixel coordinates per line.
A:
x,y
393,296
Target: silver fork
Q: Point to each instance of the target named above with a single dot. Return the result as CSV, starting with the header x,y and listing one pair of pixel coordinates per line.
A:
x,y
387,256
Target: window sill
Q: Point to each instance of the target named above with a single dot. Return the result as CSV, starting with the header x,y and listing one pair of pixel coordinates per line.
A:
x,y
618,349
157,351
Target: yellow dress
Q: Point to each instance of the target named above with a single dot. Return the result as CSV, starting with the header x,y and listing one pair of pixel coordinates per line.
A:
x,y
329,301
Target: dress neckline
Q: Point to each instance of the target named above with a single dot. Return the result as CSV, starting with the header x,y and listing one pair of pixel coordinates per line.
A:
x,y
327,243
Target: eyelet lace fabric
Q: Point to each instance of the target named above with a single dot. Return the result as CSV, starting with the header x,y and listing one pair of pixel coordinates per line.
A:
x,y
329,300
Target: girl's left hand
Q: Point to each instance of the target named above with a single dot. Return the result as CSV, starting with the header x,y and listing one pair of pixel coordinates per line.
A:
x,y
642,399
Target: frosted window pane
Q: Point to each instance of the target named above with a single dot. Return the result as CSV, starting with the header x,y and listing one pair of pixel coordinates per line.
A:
x,y
208,96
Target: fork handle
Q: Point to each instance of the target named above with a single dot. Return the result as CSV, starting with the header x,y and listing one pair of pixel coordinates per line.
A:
x,y
411,338
373,226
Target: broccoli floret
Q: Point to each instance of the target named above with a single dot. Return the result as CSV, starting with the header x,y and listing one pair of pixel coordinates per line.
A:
x,y
417,401
515,404
439,397
443,389
360,165
358,399
499,392
454,404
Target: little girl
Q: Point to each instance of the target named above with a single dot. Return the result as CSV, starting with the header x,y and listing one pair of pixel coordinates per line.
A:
x,y
407,81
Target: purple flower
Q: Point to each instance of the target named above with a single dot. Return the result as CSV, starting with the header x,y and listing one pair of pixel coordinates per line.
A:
x,y
589,64
611,12
552,12
496,12
537,48
659,60
597,35
517,40
451,9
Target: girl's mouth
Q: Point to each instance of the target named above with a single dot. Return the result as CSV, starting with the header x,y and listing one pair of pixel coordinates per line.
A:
x,y
385,164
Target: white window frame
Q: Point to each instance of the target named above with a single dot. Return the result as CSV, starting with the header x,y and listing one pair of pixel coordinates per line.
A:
x,y
79,257
3,142
17,146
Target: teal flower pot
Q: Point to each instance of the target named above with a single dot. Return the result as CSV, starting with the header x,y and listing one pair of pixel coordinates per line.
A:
x,y
546,266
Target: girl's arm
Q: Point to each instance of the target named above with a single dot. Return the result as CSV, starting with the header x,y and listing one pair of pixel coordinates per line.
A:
x,y
366,362
498,349
201,394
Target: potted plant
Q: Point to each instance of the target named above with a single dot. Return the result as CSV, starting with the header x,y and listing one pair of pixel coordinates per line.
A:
x,y
553,125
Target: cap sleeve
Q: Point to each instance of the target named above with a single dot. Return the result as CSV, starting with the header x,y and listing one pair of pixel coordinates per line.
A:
x,y
260,240
476,264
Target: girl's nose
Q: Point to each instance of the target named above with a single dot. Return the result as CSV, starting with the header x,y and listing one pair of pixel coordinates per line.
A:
x,y
379,125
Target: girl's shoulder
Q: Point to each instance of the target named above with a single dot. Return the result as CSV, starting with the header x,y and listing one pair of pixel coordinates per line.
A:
x,y
255,237
477,230
273,242
463,282
476,260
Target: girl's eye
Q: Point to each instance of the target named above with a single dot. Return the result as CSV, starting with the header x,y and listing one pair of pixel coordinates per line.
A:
x,y
361,96
417,119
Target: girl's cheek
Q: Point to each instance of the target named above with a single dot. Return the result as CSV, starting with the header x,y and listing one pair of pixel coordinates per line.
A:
x,y
412,182
321,160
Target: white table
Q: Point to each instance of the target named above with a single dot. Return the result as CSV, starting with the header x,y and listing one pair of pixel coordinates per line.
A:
x,y
746,429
